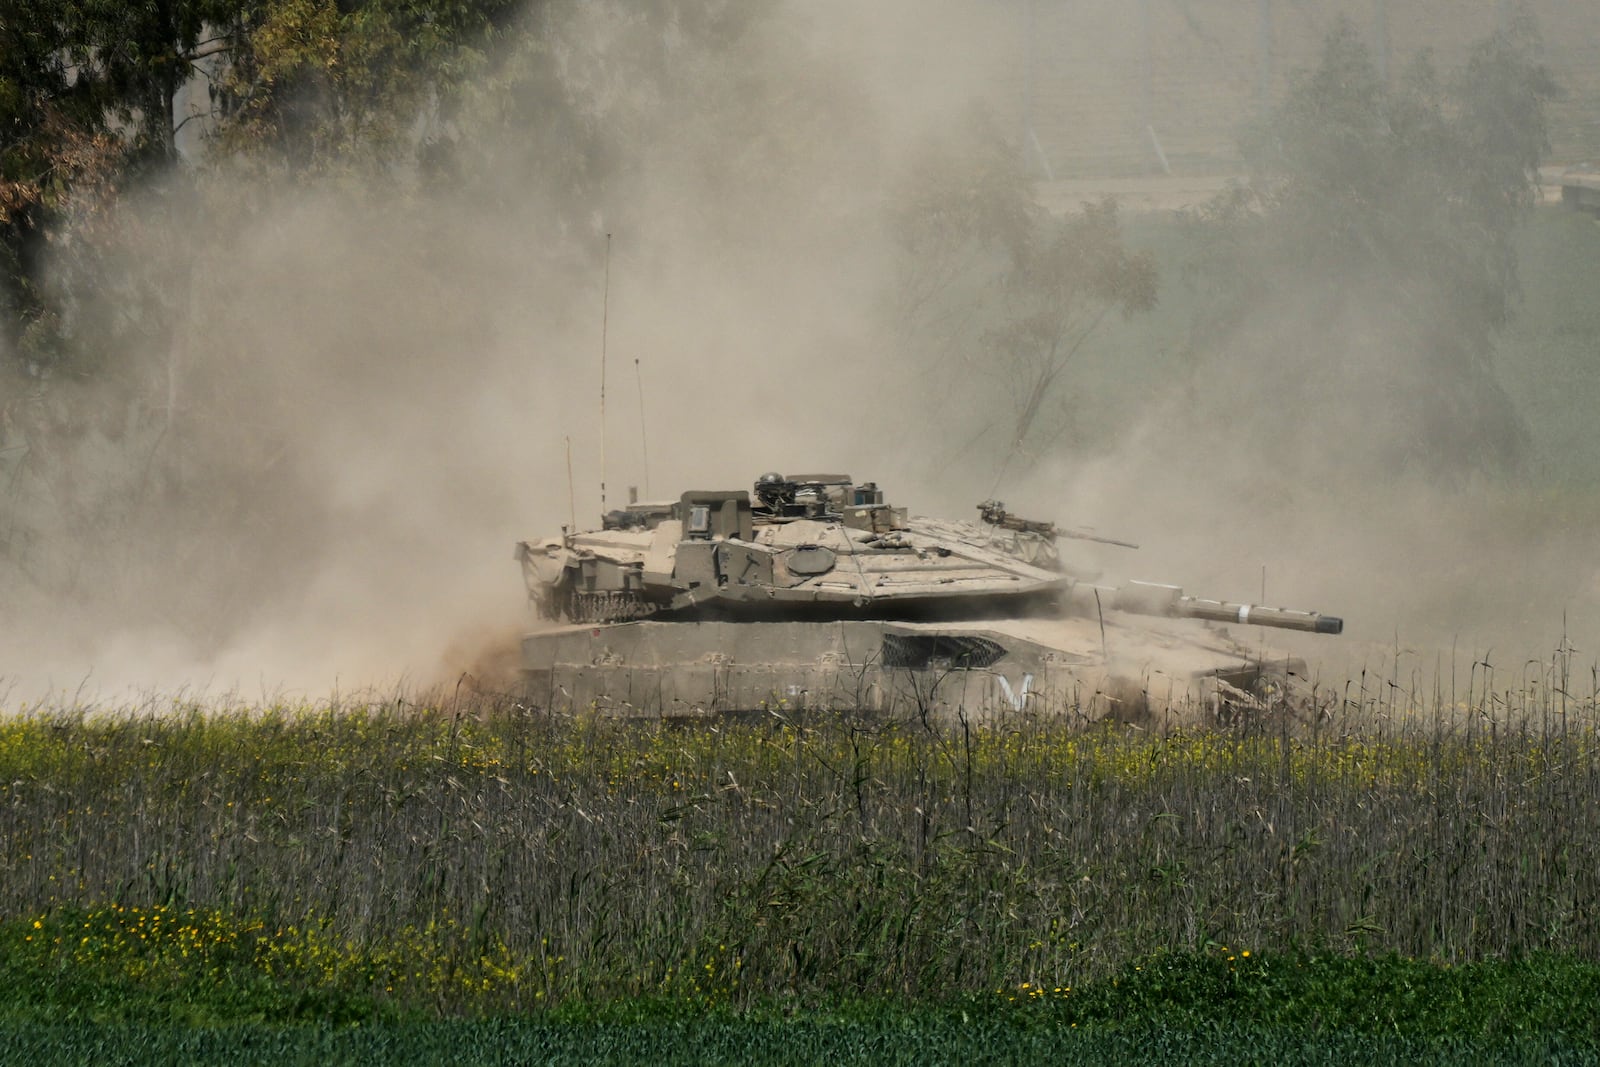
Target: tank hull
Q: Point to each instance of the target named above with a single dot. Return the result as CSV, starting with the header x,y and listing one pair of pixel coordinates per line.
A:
x,y
1124,668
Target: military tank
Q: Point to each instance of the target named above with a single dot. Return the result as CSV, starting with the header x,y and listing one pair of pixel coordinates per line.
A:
x,y
812,593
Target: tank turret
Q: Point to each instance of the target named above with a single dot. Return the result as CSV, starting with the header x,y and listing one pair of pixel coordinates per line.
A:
x,y
810,545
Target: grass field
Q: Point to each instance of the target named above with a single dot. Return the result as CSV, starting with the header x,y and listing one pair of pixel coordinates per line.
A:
x,y
520,1041
1419,877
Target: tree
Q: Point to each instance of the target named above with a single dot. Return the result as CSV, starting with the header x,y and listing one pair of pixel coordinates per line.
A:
x,y
1004,291
88,92
107,232
1355,288
87,107
311,84
53,139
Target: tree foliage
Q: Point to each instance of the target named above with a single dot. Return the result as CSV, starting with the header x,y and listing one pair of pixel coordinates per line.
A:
x,y
89,108
126,409
1002,289
1369,265
313,83
54,144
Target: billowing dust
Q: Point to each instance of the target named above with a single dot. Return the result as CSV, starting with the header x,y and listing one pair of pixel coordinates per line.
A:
x,y
372,387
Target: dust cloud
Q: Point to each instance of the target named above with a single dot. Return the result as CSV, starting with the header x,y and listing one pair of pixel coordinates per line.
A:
x,y
371,387
314,476
1236,491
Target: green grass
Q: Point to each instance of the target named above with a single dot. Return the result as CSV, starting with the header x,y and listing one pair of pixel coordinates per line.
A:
x,y
1199,1007
801,1042
1421,872
1198,991
1210,1007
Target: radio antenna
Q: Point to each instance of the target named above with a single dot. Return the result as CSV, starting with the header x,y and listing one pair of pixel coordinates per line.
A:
x,y
572,499
644,438
605,318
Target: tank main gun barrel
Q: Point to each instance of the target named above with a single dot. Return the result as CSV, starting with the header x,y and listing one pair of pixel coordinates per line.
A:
x,y
1190,607
1149,598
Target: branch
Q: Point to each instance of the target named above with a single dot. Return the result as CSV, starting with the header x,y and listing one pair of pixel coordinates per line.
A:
x,y
207,49
188,119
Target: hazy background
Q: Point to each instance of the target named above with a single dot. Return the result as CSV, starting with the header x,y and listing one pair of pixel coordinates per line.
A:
x,y
314,474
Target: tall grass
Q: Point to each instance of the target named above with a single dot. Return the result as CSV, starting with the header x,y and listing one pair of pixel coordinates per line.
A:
x,y
467,855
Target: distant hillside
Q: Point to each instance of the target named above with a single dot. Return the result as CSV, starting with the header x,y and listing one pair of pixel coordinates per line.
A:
x,y
1105,72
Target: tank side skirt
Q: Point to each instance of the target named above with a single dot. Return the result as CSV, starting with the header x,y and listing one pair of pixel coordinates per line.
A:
x,y
656,669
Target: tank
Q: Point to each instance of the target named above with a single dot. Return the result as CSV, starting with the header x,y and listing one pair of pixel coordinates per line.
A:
x,y
812,593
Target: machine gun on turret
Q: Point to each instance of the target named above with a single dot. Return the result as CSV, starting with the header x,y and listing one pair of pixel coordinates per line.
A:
x,y
994,513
